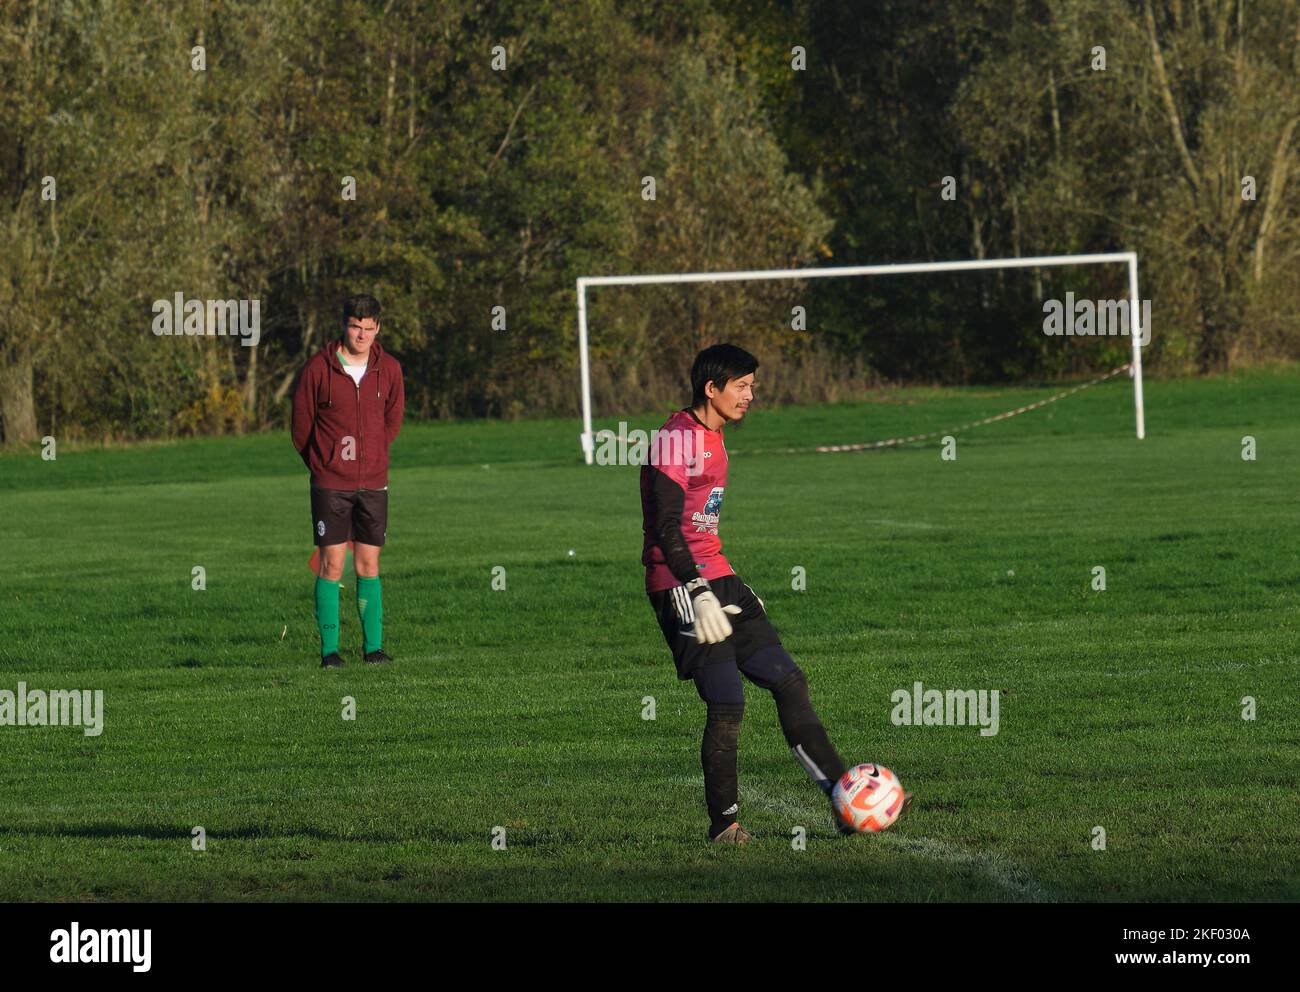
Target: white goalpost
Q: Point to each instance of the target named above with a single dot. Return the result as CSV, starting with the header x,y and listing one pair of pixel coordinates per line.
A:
x,y
1130,258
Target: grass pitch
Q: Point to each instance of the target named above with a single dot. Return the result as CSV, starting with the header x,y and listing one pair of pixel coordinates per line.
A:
x,y
522,709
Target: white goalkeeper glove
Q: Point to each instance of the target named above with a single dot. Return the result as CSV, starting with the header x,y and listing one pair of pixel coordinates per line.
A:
x,y
711,623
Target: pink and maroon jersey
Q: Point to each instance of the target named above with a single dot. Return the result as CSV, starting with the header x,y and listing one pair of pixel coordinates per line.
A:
x,y
682,486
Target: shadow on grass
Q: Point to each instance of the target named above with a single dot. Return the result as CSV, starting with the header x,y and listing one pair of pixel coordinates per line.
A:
x,y
103,831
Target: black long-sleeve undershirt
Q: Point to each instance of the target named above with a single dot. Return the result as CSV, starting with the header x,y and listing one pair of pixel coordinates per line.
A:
x,y
669,502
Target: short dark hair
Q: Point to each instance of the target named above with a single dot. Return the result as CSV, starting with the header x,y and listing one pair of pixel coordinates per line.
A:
x,y
719,364
362,305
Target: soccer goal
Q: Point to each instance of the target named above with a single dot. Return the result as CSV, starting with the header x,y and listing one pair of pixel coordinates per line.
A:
x,y
588,438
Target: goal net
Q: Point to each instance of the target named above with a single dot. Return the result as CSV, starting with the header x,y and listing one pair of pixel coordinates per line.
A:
x,y
1129,312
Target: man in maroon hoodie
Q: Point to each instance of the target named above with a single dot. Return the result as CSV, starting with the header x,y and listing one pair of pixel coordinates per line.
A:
x,y
347,410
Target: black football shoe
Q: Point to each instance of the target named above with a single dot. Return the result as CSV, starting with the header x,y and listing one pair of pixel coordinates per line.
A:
x,y
331,660
377,658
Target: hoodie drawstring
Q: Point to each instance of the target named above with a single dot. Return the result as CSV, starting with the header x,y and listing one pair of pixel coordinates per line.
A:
x,y
379,379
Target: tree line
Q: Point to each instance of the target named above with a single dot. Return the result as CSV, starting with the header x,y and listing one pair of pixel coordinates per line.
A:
x,y
467,161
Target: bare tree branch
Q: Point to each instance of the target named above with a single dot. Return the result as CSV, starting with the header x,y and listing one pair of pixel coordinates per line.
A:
x,y
509,130
1277,178
1171,107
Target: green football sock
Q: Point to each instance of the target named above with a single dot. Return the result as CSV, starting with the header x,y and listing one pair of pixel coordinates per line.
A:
x,y
327,615
370,607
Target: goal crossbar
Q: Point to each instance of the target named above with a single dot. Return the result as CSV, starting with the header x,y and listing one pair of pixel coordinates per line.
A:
x,y
901,268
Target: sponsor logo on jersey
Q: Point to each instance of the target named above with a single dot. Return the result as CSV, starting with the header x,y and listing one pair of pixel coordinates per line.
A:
x,y
706,520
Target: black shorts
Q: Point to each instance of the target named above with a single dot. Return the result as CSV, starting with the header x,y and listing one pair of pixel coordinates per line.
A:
x,y
751,630
338,516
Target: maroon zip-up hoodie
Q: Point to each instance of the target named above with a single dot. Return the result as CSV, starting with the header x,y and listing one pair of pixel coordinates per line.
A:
x,y
334,417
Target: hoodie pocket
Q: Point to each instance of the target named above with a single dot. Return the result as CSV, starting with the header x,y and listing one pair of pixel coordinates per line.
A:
x,y
326,455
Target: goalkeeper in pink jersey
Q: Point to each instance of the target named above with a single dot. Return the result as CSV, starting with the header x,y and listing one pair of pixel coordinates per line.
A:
x,y
715,626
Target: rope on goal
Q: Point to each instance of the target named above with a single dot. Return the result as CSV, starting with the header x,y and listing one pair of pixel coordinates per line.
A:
x,y
894,441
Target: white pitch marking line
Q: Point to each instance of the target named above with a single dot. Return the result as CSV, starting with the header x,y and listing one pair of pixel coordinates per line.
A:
x,y
1002,871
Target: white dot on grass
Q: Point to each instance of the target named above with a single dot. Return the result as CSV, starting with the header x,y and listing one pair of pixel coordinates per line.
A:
x,y
572,552
1011,573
